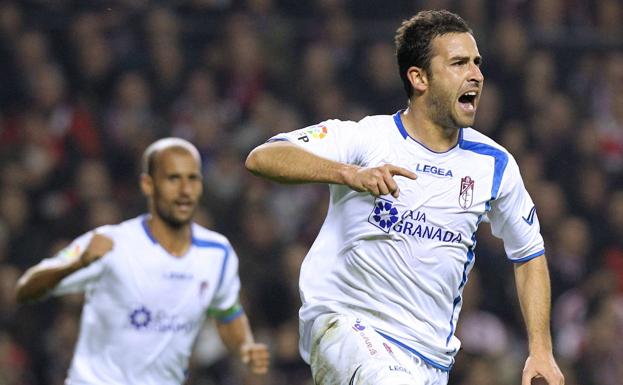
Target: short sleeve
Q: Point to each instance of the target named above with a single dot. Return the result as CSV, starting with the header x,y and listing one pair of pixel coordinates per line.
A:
x,y
337,140
78,281
225,306
513,217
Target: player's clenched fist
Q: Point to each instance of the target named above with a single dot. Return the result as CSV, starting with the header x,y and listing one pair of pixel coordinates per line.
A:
x,y
97,248
256,356
377,180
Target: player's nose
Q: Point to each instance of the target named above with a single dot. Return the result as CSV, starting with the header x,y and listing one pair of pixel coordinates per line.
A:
x,y
475,74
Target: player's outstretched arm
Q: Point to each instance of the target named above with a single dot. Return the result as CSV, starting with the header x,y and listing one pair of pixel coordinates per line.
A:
x,y
40,279
238,338
533,289
288,163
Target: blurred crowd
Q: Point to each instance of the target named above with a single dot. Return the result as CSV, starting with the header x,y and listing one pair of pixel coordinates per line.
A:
x,y
86,85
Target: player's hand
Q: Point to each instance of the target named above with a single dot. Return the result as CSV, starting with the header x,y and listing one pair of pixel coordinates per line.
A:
x,y
256,356
543,367
378,180
96,249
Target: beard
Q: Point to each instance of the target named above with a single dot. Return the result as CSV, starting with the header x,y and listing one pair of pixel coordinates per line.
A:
x,y
441,109
165,212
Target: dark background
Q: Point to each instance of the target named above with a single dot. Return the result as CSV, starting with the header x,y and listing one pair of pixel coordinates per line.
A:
x,y
86,85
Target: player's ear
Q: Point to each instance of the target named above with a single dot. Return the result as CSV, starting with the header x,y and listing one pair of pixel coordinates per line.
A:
x,y
147,185
418,78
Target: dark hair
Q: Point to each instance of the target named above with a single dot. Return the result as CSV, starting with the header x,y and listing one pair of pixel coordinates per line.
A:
x,y
413,40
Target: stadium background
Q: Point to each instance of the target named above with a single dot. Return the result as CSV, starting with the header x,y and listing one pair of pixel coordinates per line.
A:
x,y
85,85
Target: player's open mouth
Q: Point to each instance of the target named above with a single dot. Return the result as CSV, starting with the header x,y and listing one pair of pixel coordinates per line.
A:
x,y
467,101
185,206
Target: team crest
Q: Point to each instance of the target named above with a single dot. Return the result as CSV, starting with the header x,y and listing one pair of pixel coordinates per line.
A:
x,y
202,287
466,196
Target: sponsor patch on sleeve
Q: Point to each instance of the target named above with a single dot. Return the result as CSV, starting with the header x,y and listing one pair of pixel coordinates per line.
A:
x,y
70,252
315,132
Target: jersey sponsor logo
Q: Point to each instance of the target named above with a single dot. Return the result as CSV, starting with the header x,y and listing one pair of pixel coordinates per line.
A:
x,y
411,222
530,218
312,132
140,318
143,319
384,215
433,170
425,231
466,195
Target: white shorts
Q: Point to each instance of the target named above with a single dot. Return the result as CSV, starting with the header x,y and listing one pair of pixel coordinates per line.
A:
x,y
345,350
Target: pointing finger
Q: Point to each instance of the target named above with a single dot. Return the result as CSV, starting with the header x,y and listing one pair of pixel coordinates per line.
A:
x,y
395,170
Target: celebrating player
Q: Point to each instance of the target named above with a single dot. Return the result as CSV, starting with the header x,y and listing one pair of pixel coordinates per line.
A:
x,y
382,284
150,282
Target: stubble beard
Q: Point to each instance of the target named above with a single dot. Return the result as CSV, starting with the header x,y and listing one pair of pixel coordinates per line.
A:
x,y
440,107
167,216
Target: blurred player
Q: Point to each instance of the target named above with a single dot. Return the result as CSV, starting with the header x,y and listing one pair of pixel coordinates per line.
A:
x,y
150,282
381,286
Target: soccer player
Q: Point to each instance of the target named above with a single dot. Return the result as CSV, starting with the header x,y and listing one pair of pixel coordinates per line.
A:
x,y
381,286
150,282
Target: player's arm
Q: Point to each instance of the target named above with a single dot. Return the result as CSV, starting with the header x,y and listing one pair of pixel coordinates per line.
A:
x,y
285,162
533,289
237,336
40,279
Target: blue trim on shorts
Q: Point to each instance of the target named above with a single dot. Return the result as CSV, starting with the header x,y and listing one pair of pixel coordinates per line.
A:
x,y
420,355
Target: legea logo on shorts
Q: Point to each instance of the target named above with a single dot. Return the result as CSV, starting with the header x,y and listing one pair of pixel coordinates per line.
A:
x,y
384,215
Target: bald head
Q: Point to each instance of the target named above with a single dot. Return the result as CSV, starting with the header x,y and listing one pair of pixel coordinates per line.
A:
x,y
157,147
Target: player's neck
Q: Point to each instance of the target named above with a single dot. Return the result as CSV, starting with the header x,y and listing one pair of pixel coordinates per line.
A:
x,y
175,240
432,135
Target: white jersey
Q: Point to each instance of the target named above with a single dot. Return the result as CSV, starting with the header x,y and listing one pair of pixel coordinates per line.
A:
x,y
401,264
144,307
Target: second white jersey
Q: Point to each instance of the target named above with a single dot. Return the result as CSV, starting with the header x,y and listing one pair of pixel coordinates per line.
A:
x,y
144,307
402,263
